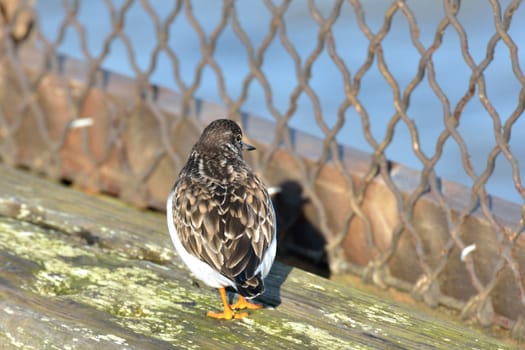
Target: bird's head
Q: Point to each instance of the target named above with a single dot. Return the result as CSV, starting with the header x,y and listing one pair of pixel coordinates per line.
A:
x,y
224,135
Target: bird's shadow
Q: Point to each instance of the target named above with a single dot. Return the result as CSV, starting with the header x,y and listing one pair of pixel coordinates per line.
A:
x,y
300,243
273,282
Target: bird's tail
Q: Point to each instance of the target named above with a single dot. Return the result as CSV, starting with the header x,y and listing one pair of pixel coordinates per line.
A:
x,y
250,288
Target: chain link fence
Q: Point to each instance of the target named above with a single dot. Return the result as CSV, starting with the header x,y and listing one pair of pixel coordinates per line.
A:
x,y
358,212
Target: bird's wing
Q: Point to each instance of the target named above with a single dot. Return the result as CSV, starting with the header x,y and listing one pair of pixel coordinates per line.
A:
x,y
228,227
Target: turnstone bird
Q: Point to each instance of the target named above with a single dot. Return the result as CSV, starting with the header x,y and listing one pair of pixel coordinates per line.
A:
x,y
221,219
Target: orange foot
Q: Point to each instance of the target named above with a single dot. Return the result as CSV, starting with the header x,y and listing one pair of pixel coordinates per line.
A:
x,y
242,304
228,312
226,315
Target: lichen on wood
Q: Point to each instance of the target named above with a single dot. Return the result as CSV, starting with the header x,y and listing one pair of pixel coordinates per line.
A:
x,y
79,271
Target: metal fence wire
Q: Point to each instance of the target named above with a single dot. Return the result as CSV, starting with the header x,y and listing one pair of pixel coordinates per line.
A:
x,y
446,244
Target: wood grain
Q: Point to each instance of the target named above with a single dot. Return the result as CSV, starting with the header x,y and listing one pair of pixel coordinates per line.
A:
x,y
78,271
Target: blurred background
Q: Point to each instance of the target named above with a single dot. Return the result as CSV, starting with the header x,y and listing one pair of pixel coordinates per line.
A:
x,y
369,115
131,52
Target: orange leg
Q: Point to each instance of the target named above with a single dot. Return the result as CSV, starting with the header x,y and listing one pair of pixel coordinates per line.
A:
x,y
242,304
228,313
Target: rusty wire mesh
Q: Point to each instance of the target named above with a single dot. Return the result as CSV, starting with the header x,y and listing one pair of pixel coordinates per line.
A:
x,y
56,102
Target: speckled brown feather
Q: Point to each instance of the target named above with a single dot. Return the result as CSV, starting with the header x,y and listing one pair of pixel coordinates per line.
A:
x,y
222,211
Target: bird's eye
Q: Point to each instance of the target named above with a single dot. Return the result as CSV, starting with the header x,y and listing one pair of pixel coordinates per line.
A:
x,y
238,138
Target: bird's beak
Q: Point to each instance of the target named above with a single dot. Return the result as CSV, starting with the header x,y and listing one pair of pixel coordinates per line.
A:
x,y
247,147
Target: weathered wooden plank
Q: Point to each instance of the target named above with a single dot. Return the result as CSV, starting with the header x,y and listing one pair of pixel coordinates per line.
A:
x,y
78,271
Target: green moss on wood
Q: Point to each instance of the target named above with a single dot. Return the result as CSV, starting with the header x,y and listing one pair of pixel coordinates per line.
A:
x,y
86,272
